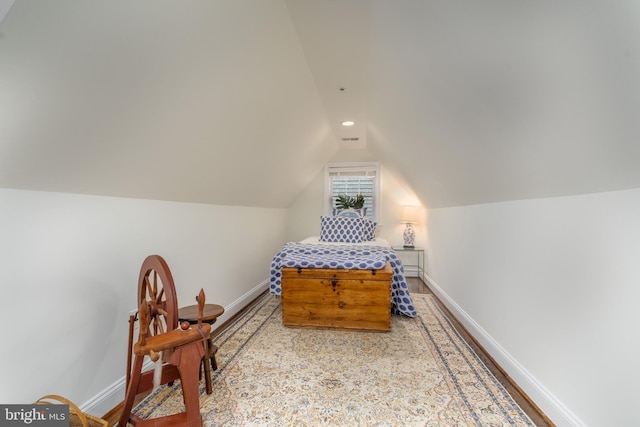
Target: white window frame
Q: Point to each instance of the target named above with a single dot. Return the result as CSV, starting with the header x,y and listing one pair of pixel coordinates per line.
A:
x,y
366,168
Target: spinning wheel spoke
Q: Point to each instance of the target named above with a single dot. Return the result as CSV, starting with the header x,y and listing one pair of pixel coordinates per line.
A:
x,y
158,327
148,286
159,297
155,284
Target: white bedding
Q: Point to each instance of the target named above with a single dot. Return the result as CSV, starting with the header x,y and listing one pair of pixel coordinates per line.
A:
x,y
376,242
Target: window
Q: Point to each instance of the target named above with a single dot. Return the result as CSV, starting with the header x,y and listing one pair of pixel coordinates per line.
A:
x,y
353,179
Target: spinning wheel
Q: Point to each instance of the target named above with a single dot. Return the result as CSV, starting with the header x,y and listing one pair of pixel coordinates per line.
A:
x,y
156,287
160,296
181,348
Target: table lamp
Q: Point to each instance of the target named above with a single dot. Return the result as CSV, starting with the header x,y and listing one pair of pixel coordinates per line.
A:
x,y
409,216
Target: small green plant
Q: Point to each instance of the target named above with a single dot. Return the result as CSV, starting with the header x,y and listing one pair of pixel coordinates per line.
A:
x,y
350,202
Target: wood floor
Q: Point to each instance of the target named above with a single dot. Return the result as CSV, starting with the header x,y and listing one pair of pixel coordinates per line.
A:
x,y
416,285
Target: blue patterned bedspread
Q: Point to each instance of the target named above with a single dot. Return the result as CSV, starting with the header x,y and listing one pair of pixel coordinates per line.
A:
x,y
346,256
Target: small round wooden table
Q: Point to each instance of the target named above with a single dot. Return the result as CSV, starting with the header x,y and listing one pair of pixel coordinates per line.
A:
x,y
210,314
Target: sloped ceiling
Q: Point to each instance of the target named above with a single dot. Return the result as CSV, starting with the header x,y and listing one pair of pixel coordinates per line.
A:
x,y
501,100
200,101
239,102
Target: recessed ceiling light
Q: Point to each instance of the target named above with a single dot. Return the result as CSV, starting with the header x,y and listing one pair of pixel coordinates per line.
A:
x,y
348,123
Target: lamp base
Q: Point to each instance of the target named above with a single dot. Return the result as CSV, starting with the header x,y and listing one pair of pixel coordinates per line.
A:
x,y
408,236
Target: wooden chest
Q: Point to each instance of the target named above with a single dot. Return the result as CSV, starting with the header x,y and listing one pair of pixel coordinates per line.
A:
x,y
337,299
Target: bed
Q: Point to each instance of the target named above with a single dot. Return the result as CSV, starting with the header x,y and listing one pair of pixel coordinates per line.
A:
x,y
340,285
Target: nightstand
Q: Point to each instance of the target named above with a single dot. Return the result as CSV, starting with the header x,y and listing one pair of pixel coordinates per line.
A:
x,y
412,260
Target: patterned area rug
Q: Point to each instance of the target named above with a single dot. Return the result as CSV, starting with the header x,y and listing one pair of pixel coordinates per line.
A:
x,y
421,373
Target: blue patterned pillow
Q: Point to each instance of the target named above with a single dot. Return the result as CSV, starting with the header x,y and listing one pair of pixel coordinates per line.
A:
x,y
368,230
341,229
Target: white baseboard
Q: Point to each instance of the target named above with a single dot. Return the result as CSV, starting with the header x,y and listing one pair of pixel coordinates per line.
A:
x,y
546,401
237,305
106,400
113,395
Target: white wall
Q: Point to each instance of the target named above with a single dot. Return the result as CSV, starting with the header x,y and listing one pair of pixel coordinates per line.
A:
x,y
556,283
69,267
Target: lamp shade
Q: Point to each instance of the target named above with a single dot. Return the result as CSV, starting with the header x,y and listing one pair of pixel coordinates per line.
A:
x,y
409,214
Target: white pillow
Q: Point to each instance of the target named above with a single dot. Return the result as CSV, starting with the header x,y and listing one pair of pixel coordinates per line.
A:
x,y
353,213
